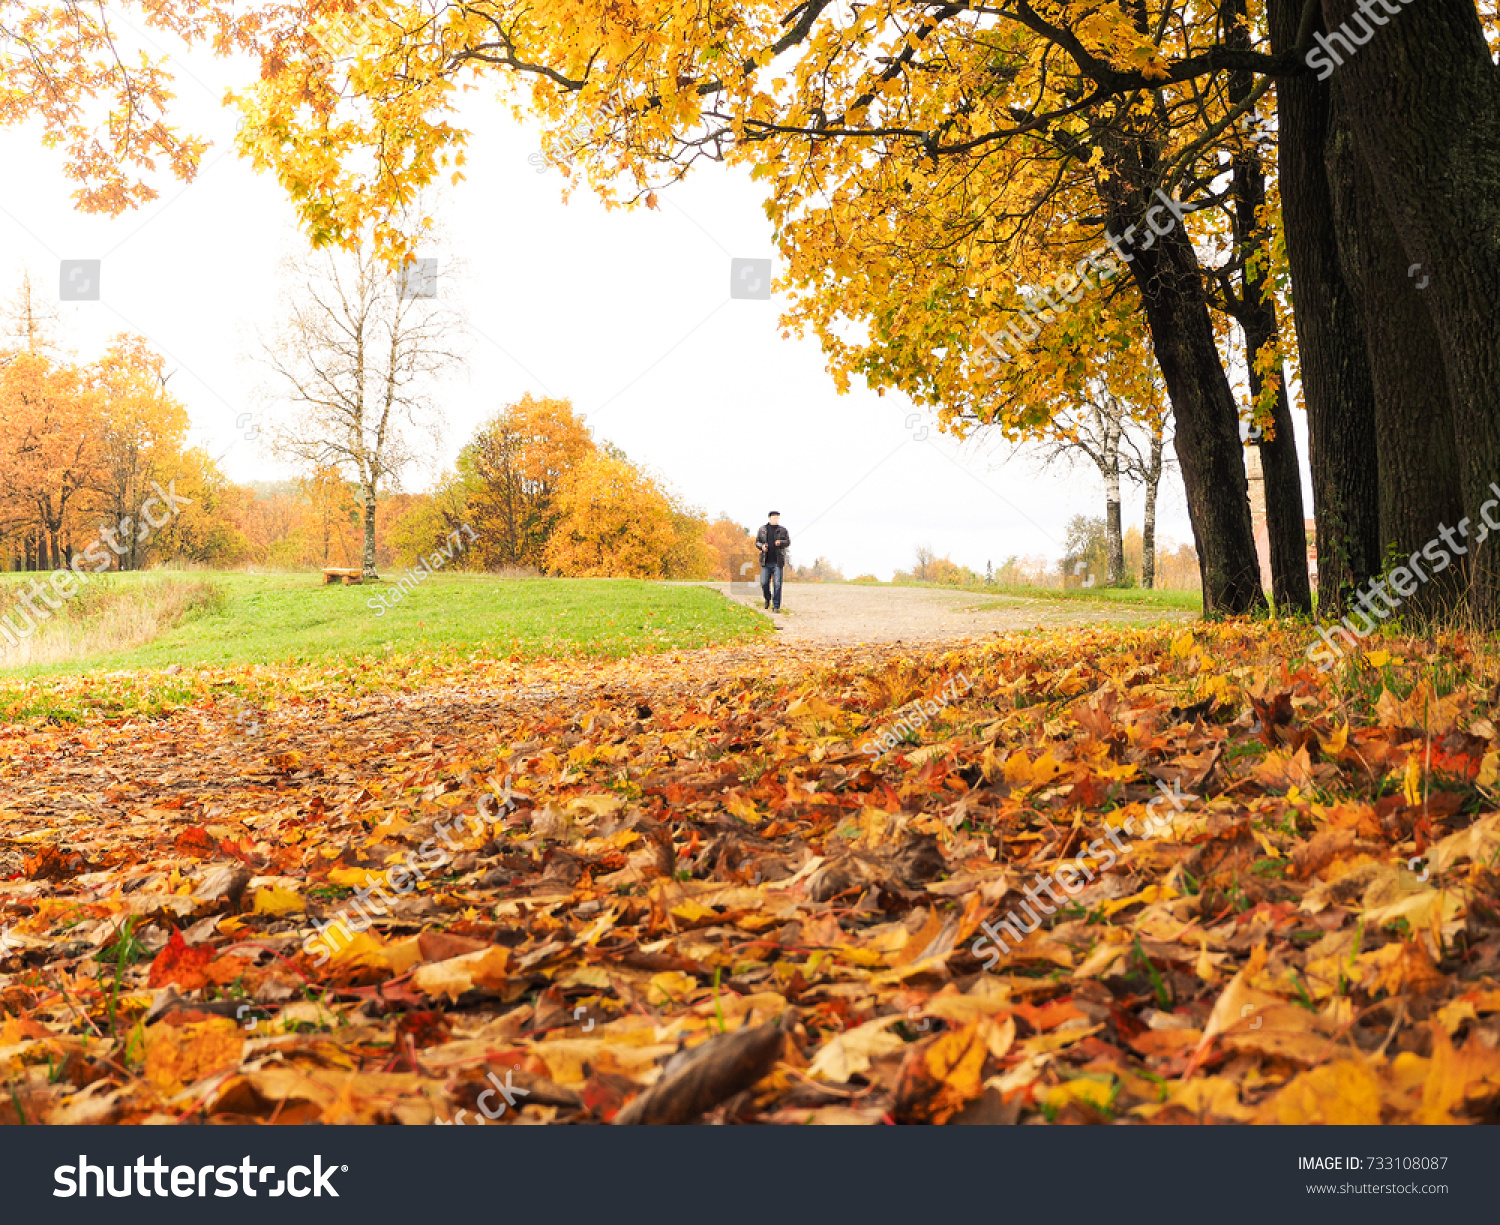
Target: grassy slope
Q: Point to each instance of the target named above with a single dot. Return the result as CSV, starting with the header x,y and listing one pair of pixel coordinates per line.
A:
x,y
1191,600
292,619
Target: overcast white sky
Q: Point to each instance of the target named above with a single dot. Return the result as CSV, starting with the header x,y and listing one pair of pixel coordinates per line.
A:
x,y
627,314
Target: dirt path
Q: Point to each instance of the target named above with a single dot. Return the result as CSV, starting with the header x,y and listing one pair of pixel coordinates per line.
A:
x,y
840,613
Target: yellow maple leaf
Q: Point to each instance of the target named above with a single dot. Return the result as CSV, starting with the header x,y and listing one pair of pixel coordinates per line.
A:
x,y
599,805
670,987
849,1053
1017,767
1085,1089
991,767
1202,1096
179,1055
956,1061
1334,745
277,900
356,878
811,707
1345,1092
1151,893
485,969
1455,1075
738,806
690,911
363,951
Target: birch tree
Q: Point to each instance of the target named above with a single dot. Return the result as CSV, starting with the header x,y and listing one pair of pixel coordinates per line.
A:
x,y
1149,466
1100,432
354,367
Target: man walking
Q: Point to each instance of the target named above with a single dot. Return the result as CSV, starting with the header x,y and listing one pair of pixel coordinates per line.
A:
x,y
772,540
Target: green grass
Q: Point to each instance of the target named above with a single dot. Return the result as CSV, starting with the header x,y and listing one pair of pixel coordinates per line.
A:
x,y
1191,600
293,619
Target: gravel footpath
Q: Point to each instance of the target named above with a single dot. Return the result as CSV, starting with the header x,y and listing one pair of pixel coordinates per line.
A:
x,y
832,613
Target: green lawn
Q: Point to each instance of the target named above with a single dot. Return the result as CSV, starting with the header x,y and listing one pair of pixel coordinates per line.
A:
x,y
1191,600
291,619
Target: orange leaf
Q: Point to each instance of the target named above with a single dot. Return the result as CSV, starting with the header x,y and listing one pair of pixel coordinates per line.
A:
x,y
179,1055
181,964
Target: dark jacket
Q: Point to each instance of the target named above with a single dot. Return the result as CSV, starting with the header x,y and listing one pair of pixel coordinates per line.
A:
x,y
776,544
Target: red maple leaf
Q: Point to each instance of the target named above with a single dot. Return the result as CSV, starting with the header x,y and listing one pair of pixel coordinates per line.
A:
x,y
180,963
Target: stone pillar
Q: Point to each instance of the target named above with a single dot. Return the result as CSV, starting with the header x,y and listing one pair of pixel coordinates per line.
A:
x,y
1256,477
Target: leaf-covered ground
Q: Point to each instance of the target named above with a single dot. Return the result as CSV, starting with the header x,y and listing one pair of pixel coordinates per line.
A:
x,y
679,887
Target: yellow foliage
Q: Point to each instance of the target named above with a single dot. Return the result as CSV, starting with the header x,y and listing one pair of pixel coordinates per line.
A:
x,y
614,522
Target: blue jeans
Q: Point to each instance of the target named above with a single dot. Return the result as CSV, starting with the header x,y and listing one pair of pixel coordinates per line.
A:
x,y
766,589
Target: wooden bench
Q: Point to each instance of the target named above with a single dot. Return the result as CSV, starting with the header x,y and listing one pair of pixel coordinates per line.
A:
x,y
333,574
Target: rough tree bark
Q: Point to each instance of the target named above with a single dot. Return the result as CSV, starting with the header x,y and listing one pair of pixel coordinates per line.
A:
x,y
1336,385
1418,461
1423,98
1206,423
1206,419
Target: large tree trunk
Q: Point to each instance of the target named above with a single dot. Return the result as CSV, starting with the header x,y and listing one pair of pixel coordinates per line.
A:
x,y
1336,386
1207,432
1423,99
1282,475
1206,425
1419,468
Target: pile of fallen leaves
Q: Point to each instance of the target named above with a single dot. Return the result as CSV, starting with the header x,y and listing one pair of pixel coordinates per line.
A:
x,y
710,891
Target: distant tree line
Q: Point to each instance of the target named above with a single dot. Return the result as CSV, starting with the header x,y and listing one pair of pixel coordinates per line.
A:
x,y
1085,563
542,496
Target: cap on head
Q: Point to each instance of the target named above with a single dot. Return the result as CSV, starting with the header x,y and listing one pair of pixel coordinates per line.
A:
x,y
774,514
